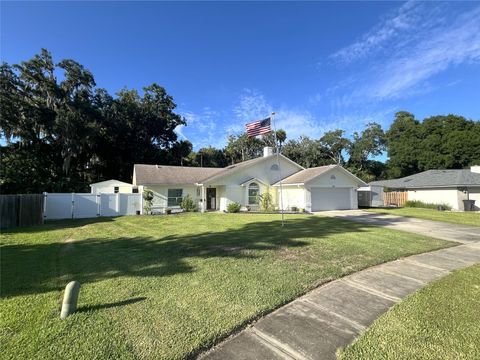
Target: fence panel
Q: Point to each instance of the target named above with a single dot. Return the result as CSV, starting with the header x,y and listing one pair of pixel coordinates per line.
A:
x,y
9,211
129,204
77,206
397,198
85,206
21,210
30,210
58,206
109,204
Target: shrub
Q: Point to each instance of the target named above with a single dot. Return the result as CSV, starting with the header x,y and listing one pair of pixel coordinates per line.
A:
x,y
421,204
148,197
233,207
266,202
188,204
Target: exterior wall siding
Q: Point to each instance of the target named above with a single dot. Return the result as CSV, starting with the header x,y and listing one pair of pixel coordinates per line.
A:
x,y
474,194
293,196
160,193
451,197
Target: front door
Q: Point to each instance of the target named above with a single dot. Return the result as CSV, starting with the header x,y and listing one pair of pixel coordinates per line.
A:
x,y
211,198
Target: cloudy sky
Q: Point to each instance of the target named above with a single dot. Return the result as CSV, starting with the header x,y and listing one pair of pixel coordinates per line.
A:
x,y
318,65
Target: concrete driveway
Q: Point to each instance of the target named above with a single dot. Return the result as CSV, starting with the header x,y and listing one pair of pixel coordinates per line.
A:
x,y
440,230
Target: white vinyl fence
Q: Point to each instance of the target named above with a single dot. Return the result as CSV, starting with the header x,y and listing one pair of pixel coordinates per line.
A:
x,y
86,205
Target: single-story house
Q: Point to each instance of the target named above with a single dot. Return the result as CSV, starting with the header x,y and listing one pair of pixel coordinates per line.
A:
x,y
449,187
112,187
291,186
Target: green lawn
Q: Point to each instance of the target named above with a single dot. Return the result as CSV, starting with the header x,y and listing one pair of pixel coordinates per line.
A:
x,y
168,286
464,218
441,321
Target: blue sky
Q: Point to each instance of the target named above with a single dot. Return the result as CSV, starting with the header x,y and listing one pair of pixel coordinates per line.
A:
x,y
318,65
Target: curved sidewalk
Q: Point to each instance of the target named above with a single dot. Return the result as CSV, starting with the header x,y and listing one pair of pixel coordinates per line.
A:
x,y
315,325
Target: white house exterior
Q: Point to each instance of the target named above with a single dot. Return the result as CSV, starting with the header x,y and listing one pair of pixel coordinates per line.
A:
x,y
442,187
322,188
111,187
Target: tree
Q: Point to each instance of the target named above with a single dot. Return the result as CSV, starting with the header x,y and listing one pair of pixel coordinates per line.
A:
x,y
369,143
306,152
269,139
334,144
242,147
72,133
178,152
403,145
439,142
211,157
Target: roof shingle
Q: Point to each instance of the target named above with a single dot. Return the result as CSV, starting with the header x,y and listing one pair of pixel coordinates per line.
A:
x,y
432,179
306,175
162,174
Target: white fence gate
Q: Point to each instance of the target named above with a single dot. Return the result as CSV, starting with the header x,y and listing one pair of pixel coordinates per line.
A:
x,y
79,205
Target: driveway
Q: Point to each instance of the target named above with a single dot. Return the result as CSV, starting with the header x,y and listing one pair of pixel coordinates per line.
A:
x,y
440,230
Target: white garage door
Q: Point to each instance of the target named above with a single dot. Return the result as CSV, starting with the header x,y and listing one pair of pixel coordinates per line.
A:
x,y
330,199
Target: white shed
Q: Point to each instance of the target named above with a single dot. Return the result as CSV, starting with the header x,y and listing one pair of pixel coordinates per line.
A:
x,y
112,187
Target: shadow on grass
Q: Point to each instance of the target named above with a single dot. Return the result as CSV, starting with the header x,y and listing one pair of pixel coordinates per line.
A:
x,y
110,305
37,268
63,224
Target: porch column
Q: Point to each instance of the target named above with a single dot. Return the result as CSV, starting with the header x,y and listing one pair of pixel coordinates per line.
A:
x,y
203,199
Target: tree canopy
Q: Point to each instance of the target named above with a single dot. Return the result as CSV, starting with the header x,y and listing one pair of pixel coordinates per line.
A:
x,y
63,133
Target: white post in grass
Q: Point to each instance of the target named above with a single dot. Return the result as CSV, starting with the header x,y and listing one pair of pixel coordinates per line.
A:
x,y
278,164
70,299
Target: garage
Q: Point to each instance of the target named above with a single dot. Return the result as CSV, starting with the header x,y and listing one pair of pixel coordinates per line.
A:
x,y
330,199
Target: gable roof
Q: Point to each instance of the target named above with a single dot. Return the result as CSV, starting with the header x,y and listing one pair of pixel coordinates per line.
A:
x,y
163,174
307,175
234,168
111,181
432,179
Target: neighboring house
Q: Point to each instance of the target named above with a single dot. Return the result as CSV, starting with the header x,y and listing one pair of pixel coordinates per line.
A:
x,y
321,188
448,187
112,187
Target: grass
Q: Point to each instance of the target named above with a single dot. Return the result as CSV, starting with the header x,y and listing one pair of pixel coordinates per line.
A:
x,y
168,286
464,218
441,321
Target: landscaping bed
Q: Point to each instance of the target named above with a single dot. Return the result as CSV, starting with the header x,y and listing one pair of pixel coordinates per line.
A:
x,y
169,286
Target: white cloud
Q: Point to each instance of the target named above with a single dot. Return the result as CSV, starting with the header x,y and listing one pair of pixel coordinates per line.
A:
x,y
252,106
412,18
459,43
406,50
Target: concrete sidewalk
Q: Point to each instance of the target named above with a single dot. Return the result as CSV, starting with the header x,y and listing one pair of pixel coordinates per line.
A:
x,y
314,326
440,230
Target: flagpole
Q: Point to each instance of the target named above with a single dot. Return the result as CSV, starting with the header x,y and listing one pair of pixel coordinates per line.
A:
x,y
278,164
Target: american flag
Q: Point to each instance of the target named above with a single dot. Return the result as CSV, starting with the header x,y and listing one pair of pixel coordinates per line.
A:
x,y
258,127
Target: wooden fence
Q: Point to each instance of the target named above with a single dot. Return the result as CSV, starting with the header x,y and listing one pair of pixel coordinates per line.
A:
x,y
21,210
397,198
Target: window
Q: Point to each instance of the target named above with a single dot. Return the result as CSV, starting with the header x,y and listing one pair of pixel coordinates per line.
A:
x,y
116,189
253,193
174,197
135,190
